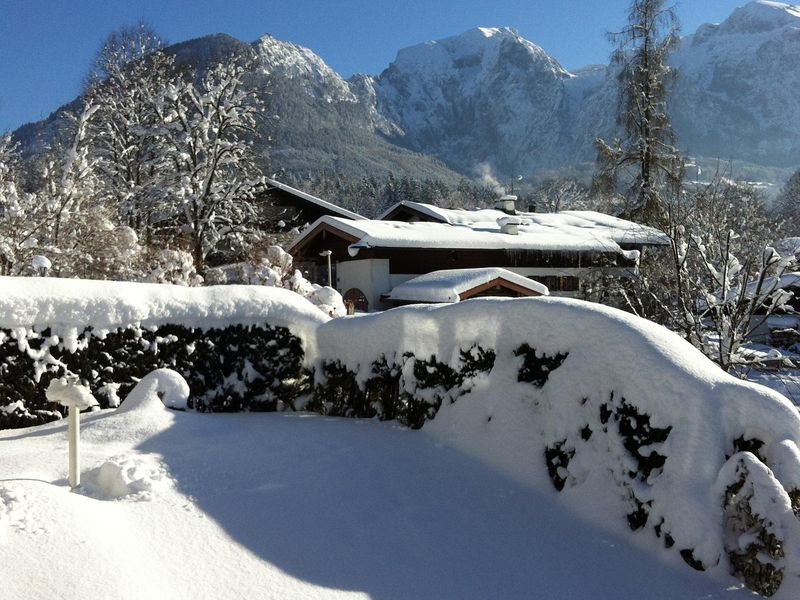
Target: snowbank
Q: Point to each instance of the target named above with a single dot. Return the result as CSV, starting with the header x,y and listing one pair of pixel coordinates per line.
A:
x,y
632,424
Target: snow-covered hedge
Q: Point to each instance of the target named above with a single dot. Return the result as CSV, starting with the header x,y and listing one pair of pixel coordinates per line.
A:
x,y
632,426
239,347
629,423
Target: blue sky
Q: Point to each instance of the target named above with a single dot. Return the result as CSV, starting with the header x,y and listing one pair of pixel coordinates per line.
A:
x,y
46,45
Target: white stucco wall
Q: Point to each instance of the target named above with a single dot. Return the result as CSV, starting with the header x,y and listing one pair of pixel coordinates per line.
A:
x,y
370,275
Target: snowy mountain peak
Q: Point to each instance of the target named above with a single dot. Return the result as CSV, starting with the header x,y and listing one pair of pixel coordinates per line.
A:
x,y
478,47
761,16
489,31
456,97
299,63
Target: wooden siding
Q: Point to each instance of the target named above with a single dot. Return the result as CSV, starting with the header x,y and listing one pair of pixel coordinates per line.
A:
x,y
417,261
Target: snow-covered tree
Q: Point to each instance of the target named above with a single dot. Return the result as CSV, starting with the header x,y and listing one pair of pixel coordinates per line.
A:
x,y
211,176
645,159
68,221
14,206
717,282
128,80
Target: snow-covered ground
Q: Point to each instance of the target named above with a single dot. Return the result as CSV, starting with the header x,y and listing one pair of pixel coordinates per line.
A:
x,y
296,506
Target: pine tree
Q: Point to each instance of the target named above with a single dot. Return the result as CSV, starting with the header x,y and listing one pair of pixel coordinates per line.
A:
x,y
645,158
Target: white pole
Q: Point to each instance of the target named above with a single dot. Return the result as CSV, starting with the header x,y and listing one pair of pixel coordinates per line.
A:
x,y
74,446
330,275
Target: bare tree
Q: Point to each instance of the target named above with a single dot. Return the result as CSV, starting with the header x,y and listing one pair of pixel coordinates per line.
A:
x,y
719,280
123,47
561,194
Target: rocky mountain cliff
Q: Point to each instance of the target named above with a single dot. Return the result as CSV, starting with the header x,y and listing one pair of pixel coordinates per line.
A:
x,y
489,100
490,96
737,94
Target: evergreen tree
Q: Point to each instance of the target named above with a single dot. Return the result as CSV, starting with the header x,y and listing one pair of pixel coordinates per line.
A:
x,y
645,158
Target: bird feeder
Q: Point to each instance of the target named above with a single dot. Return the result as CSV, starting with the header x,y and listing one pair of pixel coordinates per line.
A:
x,y
68,391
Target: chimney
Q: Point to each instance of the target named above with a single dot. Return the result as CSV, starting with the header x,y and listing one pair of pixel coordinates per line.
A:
x,y
507,203
509,225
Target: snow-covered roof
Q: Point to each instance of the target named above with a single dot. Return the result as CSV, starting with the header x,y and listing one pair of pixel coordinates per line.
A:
x,y
448,285
338,210
586,222
570,234
770,285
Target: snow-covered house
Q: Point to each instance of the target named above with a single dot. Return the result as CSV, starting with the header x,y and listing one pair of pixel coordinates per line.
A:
x,y
782,327
295,208
455,285
370,258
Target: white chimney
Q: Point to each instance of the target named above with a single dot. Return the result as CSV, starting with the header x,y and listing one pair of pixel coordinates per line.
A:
x,y
507,204
509,225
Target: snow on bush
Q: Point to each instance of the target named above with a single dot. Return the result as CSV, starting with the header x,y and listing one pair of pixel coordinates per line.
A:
x,y
173,266
632,425
274,268
239,347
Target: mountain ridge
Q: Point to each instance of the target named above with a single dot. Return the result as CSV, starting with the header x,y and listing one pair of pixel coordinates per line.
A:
x,y
488,99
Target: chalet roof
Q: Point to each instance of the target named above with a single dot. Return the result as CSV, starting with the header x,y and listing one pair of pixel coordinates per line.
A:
x,y
553,234
323,204
449,285
619,230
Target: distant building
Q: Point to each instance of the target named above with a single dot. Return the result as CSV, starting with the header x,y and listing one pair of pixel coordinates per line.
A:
x,y
370,258
296,208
